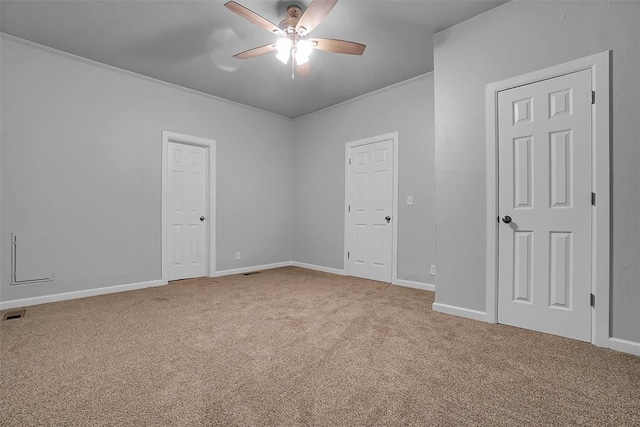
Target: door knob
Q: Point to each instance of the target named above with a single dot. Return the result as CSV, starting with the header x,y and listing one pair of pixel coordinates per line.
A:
x,y
506,219
388,218
201,218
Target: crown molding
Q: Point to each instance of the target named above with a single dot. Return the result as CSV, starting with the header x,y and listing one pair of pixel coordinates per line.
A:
x,y
134,74
369,94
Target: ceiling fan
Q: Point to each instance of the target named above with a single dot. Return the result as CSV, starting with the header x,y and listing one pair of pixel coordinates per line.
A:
x,y
293,31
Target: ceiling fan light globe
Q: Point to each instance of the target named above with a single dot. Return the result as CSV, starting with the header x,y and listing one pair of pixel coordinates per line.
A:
x,y
283,56
301,59
284,45
304,47
284,49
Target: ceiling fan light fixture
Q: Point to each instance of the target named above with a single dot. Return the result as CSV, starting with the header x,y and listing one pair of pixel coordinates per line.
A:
x,y
303,50
304,47
301,59
283,56
284,49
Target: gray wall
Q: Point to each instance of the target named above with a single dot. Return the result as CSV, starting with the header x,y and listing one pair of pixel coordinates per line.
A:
x,y
81,156
507,41
319,175
81,152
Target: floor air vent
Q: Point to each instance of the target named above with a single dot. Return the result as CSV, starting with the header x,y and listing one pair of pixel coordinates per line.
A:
x,y
251,273
10,315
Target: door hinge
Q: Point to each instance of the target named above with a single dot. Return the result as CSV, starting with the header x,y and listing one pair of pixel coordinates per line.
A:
x,y
593,199
349,160
593,96
592,301
348,254
349,209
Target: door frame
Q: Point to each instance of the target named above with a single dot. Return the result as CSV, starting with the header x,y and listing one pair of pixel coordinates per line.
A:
x,y
599,64
393,136
210,226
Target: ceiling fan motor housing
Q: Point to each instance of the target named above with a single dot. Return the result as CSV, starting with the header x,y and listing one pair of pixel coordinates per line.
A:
x,y
294,11
288,24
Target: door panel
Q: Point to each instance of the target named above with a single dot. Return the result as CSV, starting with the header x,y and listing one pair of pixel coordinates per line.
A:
x,y
360,253
560,274
523,266
187,185
561,155
370,199
175,245
545,187
523,172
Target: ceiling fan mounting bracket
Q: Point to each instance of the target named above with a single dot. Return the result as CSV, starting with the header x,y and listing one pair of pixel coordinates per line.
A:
x,y
288,24
294,11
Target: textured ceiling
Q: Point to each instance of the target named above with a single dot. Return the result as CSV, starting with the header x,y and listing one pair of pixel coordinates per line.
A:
x,y
191,43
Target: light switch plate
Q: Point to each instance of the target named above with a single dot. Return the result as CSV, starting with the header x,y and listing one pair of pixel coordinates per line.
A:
x,y
409,200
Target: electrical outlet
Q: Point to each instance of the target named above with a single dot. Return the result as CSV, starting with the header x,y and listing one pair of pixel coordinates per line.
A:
x,y
238,255
433,269
409,200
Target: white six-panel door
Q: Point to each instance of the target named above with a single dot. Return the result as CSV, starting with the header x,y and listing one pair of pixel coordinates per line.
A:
x,y
369,228
545,206
187,208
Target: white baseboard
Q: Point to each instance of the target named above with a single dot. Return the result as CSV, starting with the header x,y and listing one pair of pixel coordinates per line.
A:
x,y
251,269
459,311
625,346
25,302
415,285
319,268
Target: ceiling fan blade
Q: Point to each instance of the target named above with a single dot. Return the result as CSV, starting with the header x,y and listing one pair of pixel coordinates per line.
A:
x,y
314,14
251,16
256,51
303,70
338,46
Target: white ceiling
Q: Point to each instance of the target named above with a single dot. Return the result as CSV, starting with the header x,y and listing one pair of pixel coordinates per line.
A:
x,y
191,43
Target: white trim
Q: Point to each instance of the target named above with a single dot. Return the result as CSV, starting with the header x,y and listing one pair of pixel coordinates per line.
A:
x,y
415,285
368,94
396,189
134,74
8,278
65,296
210,224
200,93
599,64
251,269
459,311
393,136
626,346
319,268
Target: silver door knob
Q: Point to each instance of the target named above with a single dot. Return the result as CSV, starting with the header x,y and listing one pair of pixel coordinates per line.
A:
x,y
388,218
506,219
201,218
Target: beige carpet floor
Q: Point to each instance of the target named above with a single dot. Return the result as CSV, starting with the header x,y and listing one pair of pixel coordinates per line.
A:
x,y
297,347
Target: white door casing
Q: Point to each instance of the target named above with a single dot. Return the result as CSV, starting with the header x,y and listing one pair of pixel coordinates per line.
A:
x,y
370,217
544,144
188,201
599,64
